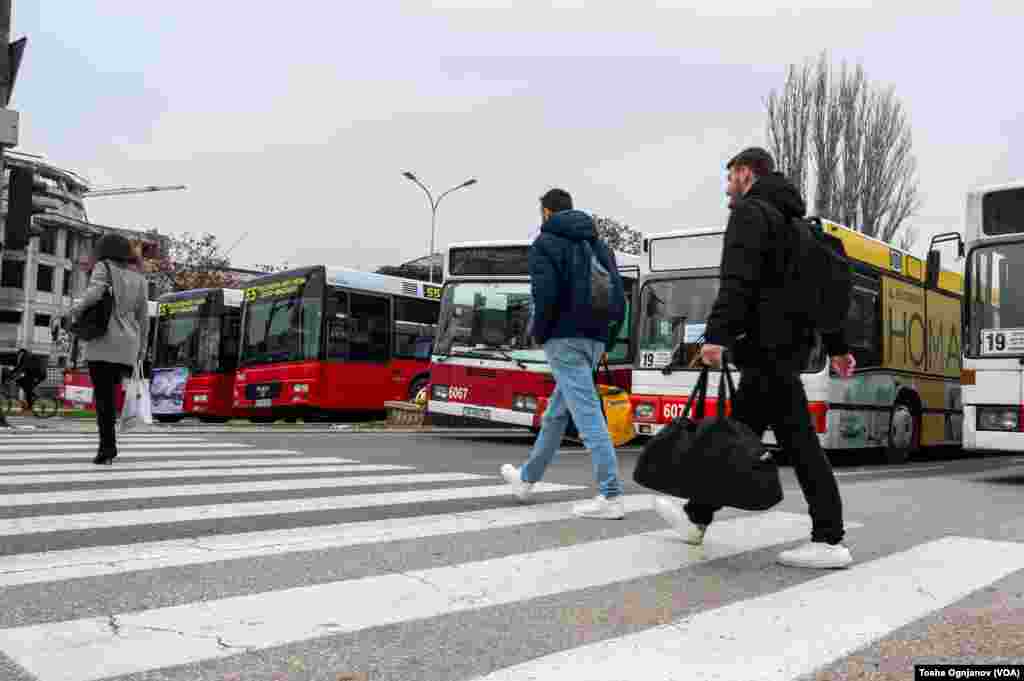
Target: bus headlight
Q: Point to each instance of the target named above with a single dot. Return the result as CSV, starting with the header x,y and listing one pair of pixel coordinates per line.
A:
x,y
300,388
527,403
643,410
998,418
201,398
440,392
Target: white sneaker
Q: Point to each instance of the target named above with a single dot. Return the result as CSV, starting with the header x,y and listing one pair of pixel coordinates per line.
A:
x,y
600,507
673,514
511,475
817,555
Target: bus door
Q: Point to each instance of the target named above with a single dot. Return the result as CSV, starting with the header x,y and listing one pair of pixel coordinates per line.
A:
x,y
358,351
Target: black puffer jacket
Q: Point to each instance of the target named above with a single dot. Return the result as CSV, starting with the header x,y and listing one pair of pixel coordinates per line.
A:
x,y
748,316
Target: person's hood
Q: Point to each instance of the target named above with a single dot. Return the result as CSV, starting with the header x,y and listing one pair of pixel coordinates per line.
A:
x,y
780,192
574,225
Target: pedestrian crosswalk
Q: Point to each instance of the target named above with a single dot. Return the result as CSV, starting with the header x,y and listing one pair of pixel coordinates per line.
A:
x,y
193,558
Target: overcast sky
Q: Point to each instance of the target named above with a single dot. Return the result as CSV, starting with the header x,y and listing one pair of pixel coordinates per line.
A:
x,y
294,126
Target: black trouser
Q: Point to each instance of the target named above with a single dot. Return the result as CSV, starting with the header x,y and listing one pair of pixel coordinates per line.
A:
x,y
105,378
29,386
766,397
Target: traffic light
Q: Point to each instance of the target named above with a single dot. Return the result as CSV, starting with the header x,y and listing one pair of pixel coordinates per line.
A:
x,y
19,208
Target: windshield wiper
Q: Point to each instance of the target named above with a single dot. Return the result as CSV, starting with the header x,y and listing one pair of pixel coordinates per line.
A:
x,y
473,352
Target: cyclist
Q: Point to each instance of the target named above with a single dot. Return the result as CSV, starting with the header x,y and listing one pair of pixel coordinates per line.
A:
x,y
27,374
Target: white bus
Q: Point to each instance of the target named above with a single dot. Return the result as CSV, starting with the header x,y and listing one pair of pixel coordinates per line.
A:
x,y
904,332
993,373
484,369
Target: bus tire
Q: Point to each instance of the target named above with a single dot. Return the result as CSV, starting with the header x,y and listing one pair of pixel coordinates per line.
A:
x,y
214,419
165,418
904,433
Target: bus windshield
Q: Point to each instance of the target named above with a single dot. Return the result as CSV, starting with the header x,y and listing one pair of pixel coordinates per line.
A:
x,y
487,319
995,303
674,311
189,336
673,317
282,320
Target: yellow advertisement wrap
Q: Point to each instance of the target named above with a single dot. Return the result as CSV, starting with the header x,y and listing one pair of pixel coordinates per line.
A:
x,y
181,306
285,287
921,329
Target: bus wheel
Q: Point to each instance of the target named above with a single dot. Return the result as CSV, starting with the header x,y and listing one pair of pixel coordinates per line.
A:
x,y
904,433
163,418
214,419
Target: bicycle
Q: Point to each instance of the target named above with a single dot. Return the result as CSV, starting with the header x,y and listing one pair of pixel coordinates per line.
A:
x,y
45,405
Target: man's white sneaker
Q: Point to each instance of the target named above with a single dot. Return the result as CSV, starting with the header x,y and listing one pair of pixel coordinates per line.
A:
x,y
817,555
511,475
673,514
600,507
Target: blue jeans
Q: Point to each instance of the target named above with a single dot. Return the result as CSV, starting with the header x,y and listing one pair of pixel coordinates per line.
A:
x,y
572,362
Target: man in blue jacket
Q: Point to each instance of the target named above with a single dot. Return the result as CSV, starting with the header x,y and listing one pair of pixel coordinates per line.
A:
x,y
575,335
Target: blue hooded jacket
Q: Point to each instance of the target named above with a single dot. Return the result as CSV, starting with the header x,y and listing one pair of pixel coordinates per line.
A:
x,y
560,281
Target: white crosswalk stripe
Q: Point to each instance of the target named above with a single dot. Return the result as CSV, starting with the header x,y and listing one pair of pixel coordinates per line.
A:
x,y
324,513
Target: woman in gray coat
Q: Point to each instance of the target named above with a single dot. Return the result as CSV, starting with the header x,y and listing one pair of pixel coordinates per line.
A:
x,y
113,356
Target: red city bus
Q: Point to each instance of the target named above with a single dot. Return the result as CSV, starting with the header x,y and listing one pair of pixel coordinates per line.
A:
x,y
318,342
196,354
76,393
485,371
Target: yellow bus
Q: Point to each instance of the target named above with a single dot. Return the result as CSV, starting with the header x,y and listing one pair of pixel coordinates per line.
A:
x,y
904,331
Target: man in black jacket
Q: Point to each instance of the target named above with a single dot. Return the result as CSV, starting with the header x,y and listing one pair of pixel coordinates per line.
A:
x,y
771,351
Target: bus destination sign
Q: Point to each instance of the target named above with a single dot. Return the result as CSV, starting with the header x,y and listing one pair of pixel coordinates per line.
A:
x,y
181,306
508,261
277,289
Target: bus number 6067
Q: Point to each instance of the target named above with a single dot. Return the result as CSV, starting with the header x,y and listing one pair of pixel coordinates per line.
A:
x,y
457,393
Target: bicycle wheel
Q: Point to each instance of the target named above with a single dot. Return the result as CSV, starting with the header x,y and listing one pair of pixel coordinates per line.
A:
x,y
45,407
8,404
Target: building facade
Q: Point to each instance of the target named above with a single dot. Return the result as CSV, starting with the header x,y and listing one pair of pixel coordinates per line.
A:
x,y
39,283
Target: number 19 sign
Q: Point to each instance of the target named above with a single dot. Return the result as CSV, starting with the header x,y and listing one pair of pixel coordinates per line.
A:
x,y
1002,341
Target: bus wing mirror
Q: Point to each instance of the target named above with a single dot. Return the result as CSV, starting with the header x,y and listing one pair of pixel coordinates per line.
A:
x,y
932,270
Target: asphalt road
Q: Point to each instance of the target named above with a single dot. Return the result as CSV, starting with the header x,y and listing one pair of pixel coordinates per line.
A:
x,y
293,556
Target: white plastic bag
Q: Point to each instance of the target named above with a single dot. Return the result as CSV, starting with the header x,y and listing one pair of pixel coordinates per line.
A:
x,y
138,408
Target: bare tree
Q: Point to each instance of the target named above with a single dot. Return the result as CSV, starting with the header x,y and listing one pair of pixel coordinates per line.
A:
x,y
827,124
889,195
789,114
853,139
618,236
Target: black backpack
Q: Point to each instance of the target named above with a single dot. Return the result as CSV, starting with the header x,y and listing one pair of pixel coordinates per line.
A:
x,y
600,284
818,276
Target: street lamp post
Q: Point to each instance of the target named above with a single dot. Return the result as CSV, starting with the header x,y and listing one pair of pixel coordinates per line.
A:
x,y
433,211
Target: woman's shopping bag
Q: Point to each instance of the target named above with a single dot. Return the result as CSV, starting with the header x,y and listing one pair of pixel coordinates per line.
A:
x,y
615,407
138,406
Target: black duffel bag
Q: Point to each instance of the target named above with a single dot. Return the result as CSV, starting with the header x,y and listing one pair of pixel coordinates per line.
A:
x,y
92,323
717,461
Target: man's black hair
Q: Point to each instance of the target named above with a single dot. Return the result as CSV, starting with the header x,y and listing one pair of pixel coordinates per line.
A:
x,y
755,158
114,247
556,200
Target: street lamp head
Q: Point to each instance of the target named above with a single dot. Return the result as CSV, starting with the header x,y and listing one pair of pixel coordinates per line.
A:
x,y
469,182
409,176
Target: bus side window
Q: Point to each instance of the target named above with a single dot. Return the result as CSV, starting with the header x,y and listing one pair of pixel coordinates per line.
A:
x,y
621,352
414,338
865,327
338,321
371,318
